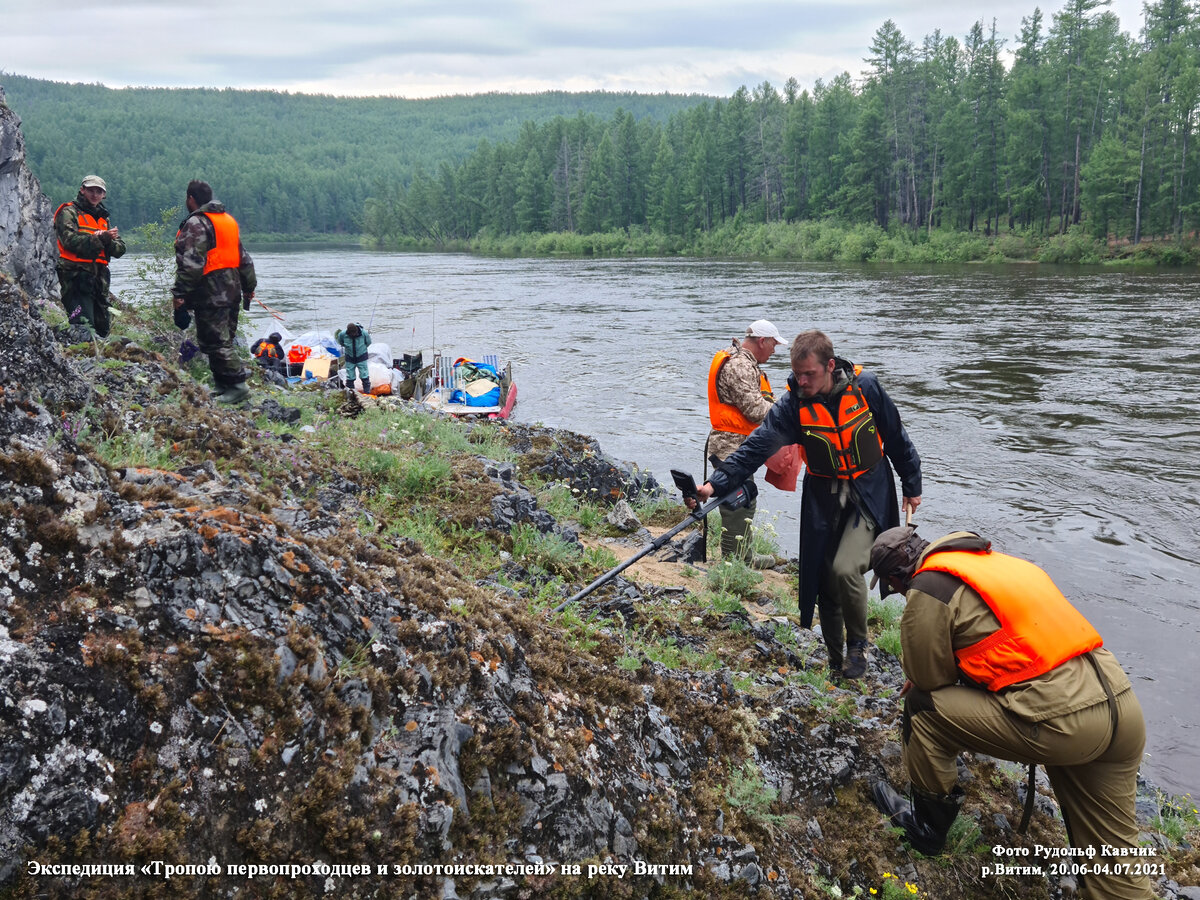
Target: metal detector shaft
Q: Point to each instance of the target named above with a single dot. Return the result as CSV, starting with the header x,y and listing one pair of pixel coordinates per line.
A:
x,y
698,515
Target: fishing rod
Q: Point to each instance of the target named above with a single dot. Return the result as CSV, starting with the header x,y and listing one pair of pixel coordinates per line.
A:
x,y
371,321
735,499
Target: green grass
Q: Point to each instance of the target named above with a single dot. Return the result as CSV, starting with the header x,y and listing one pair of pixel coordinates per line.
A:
x,y
724,604
599,559
733,577
964,838
815,678
884,616
564,503
558,501
1178,818
139,449
748,793
583,633
549,552
421,525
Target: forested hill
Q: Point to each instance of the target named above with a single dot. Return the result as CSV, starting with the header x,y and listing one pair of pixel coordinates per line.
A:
x,y
1074,141
290,163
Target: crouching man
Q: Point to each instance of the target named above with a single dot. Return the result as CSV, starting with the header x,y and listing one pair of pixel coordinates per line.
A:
x,y
999,662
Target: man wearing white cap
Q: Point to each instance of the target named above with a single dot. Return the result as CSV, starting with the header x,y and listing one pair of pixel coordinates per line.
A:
x,y
739,397
86,242
851,437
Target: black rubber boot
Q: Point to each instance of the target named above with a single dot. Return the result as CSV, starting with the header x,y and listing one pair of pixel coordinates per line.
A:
x,y
926,820
366,386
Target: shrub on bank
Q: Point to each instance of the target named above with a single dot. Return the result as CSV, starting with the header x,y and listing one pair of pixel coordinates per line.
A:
x,y
1076,246
823,241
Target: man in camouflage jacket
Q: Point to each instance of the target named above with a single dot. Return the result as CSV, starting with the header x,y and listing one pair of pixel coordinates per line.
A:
x,y
213,296
86,242
739,382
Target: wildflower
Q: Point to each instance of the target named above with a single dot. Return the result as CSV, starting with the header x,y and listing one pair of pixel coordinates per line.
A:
x,y
912,888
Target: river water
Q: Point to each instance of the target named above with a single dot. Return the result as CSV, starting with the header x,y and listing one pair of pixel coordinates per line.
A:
x,y
1055,409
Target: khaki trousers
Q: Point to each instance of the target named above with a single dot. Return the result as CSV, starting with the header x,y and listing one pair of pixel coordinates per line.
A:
x,y
842,590
1094,780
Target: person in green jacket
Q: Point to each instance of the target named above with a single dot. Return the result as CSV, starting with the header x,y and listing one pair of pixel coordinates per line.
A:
x,y
86,242
354,341
997,661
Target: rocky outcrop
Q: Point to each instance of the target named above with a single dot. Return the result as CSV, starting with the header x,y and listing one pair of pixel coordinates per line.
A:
x,y
27,248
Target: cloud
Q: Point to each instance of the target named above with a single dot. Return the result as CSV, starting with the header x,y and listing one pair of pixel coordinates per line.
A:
x,y
416,48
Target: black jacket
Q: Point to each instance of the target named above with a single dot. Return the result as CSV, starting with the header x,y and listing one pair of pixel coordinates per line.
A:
x,y
874,491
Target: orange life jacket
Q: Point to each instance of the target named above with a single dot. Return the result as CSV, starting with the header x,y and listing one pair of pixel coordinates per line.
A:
x,y
726,416
88,224
1039,628
298,353
268,349
225,252
844,447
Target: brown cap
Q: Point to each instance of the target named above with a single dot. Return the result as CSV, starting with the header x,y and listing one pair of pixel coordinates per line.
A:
x,y
895,550
95,181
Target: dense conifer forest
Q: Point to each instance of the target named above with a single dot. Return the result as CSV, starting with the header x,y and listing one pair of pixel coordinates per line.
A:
x,y
284,163
1072,141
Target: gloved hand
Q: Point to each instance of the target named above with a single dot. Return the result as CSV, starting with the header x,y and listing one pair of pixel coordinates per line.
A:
x,y
183,318
246,298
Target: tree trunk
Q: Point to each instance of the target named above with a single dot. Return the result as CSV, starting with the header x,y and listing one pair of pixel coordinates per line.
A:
x,y
1137,206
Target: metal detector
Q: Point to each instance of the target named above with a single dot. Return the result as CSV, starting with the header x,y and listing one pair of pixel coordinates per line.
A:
x,y
735,499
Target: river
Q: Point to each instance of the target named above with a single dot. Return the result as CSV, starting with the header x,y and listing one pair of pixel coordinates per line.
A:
x,y
1055,409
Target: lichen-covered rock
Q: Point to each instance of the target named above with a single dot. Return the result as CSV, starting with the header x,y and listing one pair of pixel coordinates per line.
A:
x,y
27,248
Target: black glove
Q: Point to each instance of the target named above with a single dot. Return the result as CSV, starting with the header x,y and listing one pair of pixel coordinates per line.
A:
x,y
246,302
183,318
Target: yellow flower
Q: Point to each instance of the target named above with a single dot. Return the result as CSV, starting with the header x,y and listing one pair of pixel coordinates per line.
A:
x,y
912,888
873,891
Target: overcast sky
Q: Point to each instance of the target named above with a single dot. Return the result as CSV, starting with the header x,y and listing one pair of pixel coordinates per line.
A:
x,y
424,48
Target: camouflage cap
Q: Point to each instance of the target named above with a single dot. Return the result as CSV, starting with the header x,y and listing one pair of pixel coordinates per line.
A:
x,y
895,550
95,181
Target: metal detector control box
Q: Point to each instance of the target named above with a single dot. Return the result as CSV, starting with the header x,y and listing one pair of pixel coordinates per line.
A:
x,y
686,484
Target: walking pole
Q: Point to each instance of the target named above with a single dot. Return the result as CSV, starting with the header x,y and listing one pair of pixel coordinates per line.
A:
x,y
704,527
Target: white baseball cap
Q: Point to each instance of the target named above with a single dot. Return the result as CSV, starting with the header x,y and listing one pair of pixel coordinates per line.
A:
x,y
764,329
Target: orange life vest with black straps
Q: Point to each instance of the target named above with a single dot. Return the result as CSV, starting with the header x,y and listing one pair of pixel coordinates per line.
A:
x,y
88,224
268,349
841,447
225,252
1039,628
726,416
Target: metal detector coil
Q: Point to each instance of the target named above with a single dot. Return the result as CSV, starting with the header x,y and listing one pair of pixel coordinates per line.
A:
x,y
685,483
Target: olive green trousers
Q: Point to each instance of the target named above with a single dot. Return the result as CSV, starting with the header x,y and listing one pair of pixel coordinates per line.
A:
x,y
1094,779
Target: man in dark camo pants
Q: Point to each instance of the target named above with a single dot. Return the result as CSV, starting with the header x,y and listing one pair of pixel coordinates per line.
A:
x,y
214,276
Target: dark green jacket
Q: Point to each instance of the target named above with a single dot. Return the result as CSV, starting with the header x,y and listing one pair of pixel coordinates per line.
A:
x,y
81,243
